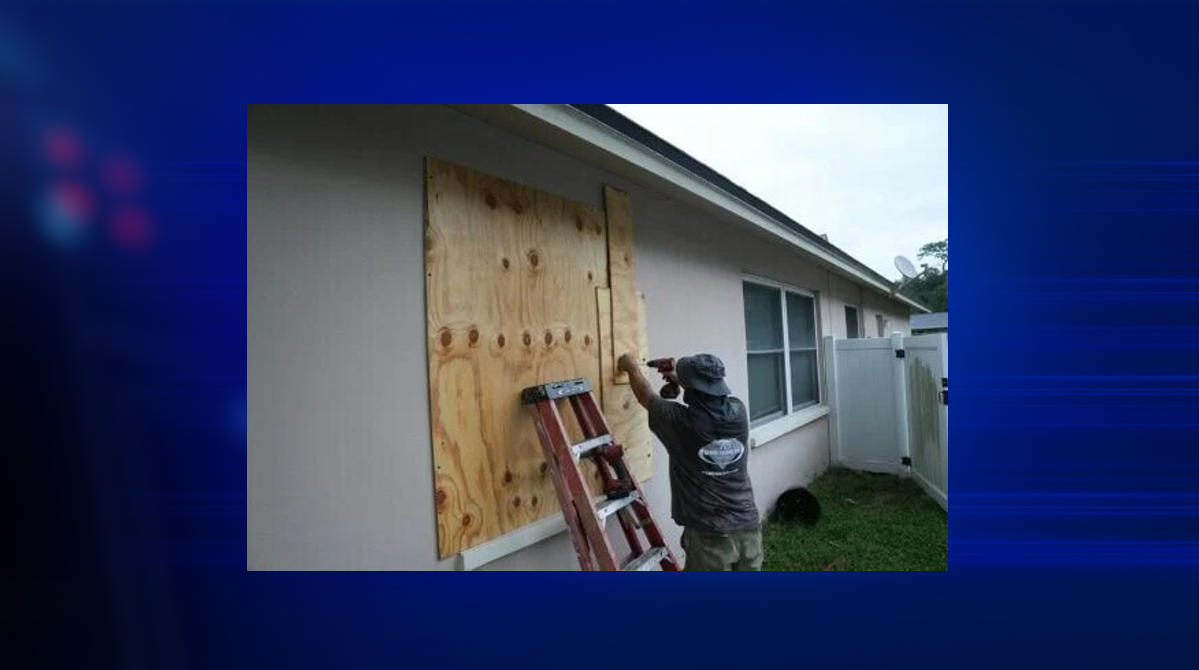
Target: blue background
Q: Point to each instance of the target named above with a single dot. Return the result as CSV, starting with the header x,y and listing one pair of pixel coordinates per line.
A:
x,y
1074,174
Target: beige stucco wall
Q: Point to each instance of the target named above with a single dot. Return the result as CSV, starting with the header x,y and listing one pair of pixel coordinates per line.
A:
x,y
870,304
339,461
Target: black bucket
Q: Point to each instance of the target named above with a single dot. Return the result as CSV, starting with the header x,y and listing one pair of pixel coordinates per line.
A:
x,y
797,506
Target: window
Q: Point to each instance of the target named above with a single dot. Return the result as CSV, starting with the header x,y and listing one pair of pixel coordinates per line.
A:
x,y
851,323
780,342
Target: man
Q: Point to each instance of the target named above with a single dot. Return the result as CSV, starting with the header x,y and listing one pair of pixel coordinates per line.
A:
x,y
710,492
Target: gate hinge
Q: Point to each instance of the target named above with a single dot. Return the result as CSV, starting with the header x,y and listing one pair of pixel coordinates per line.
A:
x,y
900,353
945,397
906,460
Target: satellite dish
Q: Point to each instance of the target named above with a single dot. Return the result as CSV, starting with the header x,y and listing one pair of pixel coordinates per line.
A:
x,y
906,269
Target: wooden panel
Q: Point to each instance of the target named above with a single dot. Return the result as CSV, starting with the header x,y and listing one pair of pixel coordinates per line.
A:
x,y
511,274
642,328
630,424
603,308
628,421
641,460
622,273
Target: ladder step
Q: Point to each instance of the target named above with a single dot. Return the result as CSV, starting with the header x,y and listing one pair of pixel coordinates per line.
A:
x,y
610,507
646,561
579,450
585,513
555,390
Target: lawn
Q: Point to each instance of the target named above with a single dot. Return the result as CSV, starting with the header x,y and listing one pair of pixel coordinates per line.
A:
x,y
868,522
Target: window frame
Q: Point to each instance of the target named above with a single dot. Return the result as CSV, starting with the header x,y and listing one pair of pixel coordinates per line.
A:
x,y
790,410
857,324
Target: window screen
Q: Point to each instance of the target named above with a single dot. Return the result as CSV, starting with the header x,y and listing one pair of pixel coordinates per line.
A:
x,y
781,346
801,328
764,346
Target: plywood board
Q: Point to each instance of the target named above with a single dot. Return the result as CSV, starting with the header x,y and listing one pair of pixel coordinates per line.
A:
x,y
622,273
628,421
603,308
642,456
630,424
511,274
643,329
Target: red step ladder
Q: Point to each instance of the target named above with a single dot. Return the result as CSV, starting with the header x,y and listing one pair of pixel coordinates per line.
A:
x,y
622,497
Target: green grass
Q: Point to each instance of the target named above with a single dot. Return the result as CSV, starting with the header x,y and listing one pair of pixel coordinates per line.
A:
x,y
867,522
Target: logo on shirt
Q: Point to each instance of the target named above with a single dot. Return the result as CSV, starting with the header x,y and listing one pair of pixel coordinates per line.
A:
x,y
722,453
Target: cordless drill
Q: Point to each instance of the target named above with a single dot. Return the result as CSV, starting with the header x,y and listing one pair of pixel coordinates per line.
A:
x,y
665,365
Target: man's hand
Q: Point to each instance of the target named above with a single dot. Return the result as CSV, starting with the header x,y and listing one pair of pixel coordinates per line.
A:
x,y
641,387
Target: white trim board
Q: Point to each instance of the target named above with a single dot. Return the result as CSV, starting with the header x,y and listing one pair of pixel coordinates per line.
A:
x,y
504,545
785,424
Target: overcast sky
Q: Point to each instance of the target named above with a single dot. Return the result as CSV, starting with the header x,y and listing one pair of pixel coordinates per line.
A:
x,y
874,178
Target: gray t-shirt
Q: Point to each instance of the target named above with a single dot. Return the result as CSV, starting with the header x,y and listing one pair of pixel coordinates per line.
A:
x,y
709,462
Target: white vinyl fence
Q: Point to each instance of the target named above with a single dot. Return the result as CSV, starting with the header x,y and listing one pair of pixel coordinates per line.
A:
x,y
889,402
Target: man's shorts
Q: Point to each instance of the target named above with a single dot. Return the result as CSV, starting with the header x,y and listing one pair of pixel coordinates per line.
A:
x,y
738,550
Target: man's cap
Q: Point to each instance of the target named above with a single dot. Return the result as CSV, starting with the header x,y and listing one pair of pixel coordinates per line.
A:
x,y
702,372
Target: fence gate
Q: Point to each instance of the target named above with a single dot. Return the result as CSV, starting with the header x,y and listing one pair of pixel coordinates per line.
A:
x,y
927,368
889,401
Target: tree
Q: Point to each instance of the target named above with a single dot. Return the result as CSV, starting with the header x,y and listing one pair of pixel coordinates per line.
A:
x,y
940,301
937,250
931,286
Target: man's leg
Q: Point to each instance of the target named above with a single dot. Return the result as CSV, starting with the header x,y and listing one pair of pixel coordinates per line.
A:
x,y
749,549
708,551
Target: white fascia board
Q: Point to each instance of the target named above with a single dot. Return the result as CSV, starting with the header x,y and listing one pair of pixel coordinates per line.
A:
x,y
601,136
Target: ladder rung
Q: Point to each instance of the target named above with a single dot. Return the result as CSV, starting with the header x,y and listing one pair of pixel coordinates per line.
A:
x,y
579,450
610,507
646,561
555,390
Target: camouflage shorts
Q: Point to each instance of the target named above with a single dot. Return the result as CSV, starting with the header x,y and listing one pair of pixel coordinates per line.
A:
x,y
739,550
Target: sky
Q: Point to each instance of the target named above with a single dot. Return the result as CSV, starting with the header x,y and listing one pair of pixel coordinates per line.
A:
x,y
874,178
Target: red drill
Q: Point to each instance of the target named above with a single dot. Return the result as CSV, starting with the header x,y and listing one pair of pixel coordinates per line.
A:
x,y
666,366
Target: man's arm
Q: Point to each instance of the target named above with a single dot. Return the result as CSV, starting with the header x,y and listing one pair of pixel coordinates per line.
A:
x,y
641,388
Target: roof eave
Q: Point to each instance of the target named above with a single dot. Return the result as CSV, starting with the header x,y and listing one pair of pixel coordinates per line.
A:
x,y
633,159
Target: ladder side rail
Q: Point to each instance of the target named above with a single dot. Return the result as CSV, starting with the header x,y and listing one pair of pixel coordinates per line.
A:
x,y
544,419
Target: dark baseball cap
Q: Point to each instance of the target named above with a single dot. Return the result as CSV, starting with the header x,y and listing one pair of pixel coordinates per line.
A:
x,y
702,372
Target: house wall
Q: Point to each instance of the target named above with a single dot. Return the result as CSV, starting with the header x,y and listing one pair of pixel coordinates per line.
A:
x,y
339,461
844,292
896,317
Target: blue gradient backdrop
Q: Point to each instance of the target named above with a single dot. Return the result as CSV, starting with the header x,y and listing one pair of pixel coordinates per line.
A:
x,y
1074,175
